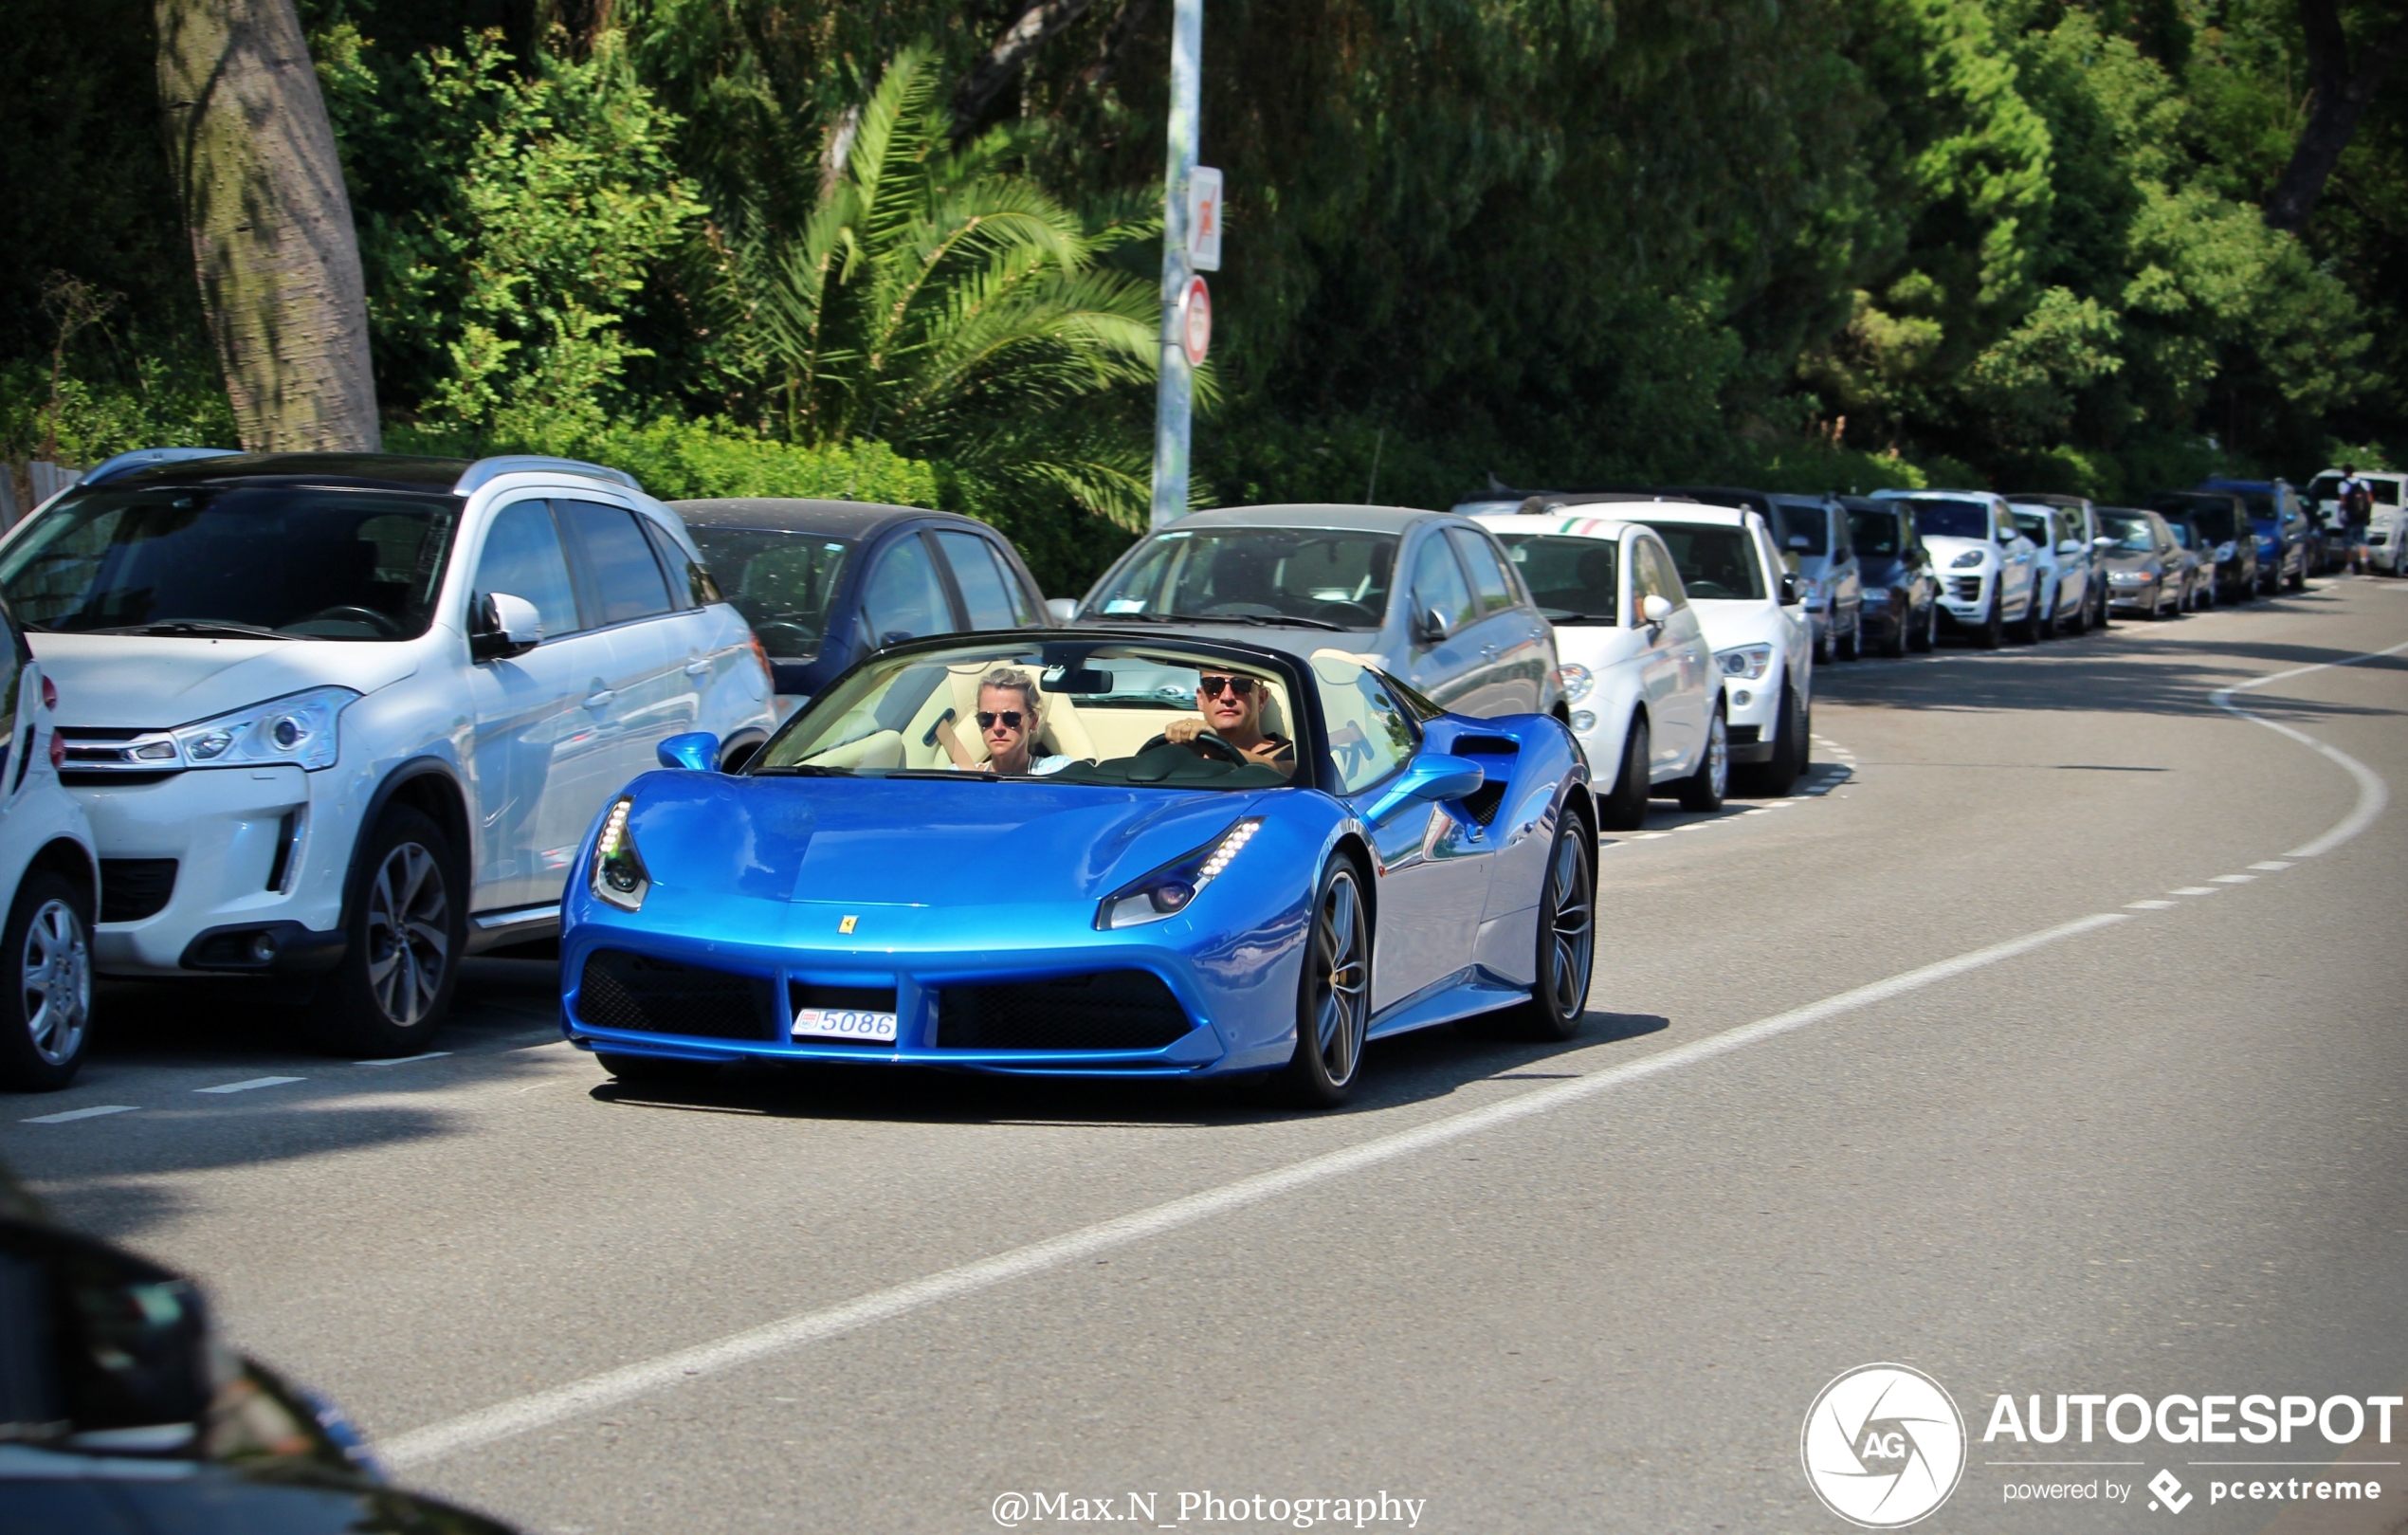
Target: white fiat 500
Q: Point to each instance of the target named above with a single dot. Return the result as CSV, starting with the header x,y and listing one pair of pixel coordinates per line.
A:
x,y
346,717
1987,568
1638,671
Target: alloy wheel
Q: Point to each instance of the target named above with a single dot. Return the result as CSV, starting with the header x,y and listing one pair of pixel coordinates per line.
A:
x,y
1340,975
409,933
56,981
1571,922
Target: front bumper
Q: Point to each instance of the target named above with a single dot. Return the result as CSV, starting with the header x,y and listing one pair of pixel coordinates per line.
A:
x,y
195,863
1751,711
1964,596
2147,594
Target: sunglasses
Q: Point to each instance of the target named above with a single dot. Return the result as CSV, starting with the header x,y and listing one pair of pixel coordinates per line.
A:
x,y
1010,717
1213,686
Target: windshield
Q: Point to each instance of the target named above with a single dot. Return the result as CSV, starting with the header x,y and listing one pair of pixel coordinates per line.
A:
x,y
1573,580
1066,711
1716,564
1940,516
2385,493
2182,532
781,582
2214,514
1874,534
1333,577
2129,530
307,562
1807,523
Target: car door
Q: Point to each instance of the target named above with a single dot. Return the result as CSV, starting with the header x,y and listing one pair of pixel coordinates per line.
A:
x,y
1846,576
649,694
903,596
727,678
1442,666
990,598
539,762
1434,871
1512,659
1673,667
2017,590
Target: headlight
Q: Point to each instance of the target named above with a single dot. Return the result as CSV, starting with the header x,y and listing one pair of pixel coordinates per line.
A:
x,y
1966,560
2127,577
1577,681
619,875
1877,596
1173,888
2225,551
1746,660
302,727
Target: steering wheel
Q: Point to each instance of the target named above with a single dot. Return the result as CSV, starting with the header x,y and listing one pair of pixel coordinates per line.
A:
x,y
353,613
1207,742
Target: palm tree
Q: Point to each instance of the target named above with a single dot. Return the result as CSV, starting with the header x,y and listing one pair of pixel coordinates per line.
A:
x,y
939,301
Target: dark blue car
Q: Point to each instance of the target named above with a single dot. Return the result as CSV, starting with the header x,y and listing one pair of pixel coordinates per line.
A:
x,y
2286,543
1121,892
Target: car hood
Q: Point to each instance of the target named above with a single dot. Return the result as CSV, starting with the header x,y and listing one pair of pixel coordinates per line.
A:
x,y
1736,621
147,683
915,842
1945,549
2118,559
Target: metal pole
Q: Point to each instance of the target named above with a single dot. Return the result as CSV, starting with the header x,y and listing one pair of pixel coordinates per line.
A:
x,y
1176,397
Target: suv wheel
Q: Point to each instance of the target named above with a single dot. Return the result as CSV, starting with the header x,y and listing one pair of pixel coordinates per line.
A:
x,y
45,1015
407,929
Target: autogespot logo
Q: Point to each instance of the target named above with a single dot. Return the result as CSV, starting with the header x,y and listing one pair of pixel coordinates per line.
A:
x,y
1883,1446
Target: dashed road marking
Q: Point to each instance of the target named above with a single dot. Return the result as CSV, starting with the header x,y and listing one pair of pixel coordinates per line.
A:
x,y
2151,905
394,1060
247,1085
92,1113
2235,879
2272,864
2194,890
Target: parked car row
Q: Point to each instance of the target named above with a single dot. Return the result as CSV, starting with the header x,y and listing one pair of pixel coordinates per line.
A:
x,y
334,723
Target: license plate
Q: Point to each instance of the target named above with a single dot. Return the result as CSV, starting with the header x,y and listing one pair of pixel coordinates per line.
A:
x,y
844,1023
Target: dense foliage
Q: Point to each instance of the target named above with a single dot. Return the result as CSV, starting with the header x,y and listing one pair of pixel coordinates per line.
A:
x,y
745,242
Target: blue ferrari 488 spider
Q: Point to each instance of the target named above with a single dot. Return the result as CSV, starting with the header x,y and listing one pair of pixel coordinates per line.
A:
x,y
1088,854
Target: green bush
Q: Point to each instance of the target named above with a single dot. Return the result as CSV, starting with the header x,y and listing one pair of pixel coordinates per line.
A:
x,y
692,459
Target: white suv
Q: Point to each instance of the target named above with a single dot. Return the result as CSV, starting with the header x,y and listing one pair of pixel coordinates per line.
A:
x,y
347,716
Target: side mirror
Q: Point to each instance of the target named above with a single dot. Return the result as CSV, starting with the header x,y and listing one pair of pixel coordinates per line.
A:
x,y
98,1340
696,751
1062,609
1655,609
2070,546
1430,627
1790,597
505,626
1430,778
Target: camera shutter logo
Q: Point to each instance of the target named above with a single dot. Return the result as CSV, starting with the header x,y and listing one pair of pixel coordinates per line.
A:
x,y
1883,1446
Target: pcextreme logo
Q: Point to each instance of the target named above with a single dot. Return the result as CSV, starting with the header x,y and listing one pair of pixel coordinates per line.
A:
x,y
1883,1446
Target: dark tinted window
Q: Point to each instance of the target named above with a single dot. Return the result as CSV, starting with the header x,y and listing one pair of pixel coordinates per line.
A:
x,y
627,577
1573,580
1808,522
1941,517
690,585
986,591
1874,533
523,557
781,582
2214,514
312,562
1716,564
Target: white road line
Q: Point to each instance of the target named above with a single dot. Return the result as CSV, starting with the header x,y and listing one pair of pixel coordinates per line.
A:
x,y
92,1113
2235,879
520,1415
254,1082
397,1060
2372,793
2272,865
2152,906
2194,890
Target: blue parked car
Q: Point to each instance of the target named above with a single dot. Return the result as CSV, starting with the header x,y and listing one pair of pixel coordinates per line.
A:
x,y
1178,857
825,582
2286,542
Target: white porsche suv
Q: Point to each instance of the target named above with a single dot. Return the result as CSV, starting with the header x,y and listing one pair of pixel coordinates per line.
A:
x,y
346,717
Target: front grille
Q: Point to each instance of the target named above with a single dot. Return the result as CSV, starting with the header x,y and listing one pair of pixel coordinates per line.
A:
x,y
133,889
1112,1009
1968,588
645,995
1745,735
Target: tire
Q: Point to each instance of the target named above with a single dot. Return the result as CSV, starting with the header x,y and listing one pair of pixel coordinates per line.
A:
x,y
2028,629
404,937
1993,630
653,1071
1624,809
1703,789
2079,624
1777,778
2297,582
1333,996
1850,645
1567,937
45,1014
1822,648
1893,644
1927,639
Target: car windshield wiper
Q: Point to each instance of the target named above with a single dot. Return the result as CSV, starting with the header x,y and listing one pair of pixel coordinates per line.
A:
x,y
196,628
1257,620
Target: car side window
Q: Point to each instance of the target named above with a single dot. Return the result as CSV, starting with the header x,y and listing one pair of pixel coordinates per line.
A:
x,y
624,573
984,591
523,557
1488,575
690,585
1651,570
905,597
1370,736
1437,583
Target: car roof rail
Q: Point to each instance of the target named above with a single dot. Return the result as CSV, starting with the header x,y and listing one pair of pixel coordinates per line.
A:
x,y
143,457
485,470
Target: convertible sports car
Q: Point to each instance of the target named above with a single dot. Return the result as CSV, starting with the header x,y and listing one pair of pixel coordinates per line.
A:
x,y
1334,860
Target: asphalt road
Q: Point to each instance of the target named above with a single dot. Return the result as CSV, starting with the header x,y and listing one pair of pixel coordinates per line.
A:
x,y
2051,1041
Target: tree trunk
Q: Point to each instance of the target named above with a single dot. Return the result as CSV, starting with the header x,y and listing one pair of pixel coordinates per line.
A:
x,y
253,154
1029,31
2338,97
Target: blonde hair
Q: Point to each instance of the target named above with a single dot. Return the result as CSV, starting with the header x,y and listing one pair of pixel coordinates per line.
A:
x,y
1012,677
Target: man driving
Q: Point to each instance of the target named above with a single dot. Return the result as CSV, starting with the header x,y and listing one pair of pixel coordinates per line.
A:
x,y
1231,705
1007,722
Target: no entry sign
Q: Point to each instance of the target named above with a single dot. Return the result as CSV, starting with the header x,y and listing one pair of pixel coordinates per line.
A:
x,y
1195,321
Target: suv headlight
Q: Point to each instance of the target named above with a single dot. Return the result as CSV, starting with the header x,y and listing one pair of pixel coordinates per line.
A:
x,y
1577,681
299,727
2225,551
1746,660
619,875
1966,560
1171,888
